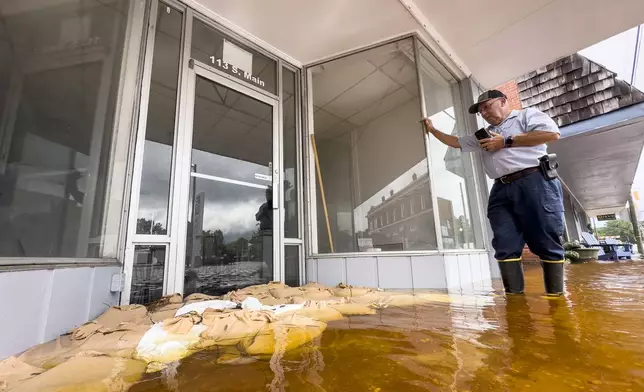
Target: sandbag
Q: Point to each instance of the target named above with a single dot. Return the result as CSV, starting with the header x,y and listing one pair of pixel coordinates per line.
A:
x,y
315,286
13,371
165,301
316,291
102,334
281,293
200,307
440,297
298,300
263,296
350,291
164,314
269,300
353,309
50,354
134,314
182,324
165,308
269,285
258,291
252,303
86,373
318,295
236,296
198,297
88,329
371,297
161,345
229,329
286,333
120,341
321,313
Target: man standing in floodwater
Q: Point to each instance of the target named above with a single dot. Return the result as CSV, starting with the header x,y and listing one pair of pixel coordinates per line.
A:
x,y
526,204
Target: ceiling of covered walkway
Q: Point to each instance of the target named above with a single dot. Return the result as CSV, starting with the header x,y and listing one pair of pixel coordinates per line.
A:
x,y
599,158
495,40
492,40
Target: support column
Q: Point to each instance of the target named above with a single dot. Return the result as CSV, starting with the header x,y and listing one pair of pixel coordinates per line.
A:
x,y
635,223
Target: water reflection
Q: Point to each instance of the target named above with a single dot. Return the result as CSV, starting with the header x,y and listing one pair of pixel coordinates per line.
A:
x,y
230,230
589,341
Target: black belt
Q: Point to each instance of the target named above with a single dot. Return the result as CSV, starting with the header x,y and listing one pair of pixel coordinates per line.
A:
x,y
516,175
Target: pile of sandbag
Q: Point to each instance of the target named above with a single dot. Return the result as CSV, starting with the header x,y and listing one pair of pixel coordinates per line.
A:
x,y
116,333
113,351
87,371
278,293
251,332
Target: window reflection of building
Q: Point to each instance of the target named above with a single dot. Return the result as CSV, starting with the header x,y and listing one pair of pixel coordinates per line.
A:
x,y
402,232
368,142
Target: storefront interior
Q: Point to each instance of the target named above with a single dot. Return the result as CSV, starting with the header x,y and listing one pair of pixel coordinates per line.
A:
x,y
159,139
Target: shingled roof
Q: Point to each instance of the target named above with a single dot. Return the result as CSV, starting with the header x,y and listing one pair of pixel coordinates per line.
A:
x,y
574,89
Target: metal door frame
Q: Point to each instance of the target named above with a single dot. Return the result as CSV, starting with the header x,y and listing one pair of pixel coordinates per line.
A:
x,y
183,173
175,239
132,238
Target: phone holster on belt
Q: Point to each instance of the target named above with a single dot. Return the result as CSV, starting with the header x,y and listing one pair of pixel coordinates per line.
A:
x,y
549,164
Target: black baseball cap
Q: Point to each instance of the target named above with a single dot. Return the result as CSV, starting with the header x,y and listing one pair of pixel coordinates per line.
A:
x,y
486,96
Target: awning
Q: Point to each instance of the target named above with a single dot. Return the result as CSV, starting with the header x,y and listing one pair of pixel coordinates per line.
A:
x,y
599,158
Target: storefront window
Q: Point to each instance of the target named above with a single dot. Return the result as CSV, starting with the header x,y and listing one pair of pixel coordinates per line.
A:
x,y
291,185
59,78
292,265
147,273
452,171
152,217
370,152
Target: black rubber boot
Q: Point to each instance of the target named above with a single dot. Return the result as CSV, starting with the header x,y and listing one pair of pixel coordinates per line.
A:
x,y
553,277
512,276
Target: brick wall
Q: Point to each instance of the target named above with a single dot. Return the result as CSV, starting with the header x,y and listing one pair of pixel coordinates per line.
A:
x,y
511,90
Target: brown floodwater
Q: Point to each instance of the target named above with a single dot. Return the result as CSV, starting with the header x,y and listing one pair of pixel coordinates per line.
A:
x,y
591,340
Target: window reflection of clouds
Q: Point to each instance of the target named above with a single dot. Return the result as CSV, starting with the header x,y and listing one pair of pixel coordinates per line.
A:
x,y
232,219
229,208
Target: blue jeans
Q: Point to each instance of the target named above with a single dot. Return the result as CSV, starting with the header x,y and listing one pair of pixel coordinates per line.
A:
x,y
529,210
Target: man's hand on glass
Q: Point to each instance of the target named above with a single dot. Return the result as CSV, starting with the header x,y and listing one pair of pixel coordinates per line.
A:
x,y
495,143
429,126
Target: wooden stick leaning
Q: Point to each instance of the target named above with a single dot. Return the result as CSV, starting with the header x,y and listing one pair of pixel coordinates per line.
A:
x,y
326,212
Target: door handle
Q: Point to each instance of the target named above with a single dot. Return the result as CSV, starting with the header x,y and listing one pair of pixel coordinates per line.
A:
x,y
276,185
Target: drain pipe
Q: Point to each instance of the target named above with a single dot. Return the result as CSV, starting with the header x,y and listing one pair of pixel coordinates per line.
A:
x,y
636,55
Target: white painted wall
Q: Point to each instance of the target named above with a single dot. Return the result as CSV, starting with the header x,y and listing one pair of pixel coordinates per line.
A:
x,y
457,273
37,306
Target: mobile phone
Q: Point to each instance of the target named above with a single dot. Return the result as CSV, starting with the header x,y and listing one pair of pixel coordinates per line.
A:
x,y
482,134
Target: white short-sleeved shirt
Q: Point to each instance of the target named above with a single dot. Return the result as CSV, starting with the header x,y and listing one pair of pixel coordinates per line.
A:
x,y
510,160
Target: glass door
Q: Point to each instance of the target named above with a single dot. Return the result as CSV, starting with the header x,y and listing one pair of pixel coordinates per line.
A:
x,y
231,174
